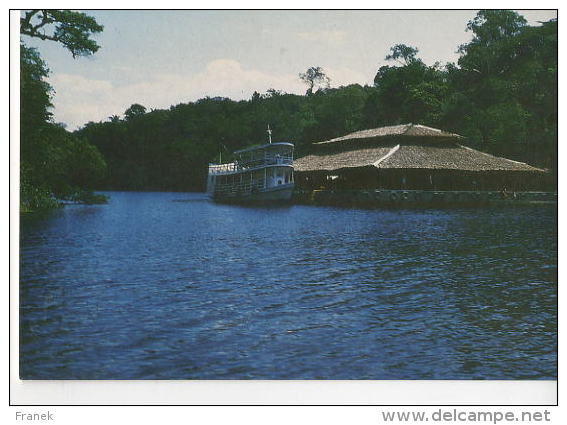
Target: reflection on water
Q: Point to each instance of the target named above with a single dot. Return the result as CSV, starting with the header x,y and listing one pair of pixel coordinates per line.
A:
x,y
149,288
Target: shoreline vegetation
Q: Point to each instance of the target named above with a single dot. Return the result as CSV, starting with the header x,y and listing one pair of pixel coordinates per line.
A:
x,y
501,95
45,201
56,166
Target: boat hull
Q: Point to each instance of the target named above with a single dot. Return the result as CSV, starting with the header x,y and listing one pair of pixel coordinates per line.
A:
x,y
281,193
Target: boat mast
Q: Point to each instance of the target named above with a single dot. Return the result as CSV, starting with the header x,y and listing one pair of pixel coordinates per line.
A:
x,y
221,145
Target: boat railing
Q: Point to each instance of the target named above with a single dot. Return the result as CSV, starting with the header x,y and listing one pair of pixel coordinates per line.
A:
x,y
223,168
243,165
239,188
269,160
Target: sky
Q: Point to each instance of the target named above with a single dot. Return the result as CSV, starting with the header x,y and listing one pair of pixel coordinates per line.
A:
x,y
163,58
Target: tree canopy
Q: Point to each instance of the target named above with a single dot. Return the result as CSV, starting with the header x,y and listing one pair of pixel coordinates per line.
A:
x,y
54,163
314,76
501,94
401,52
134,111
72,29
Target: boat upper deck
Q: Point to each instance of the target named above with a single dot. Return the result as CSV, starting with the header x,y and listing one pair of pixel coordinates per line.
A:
x,y
276,146
256,157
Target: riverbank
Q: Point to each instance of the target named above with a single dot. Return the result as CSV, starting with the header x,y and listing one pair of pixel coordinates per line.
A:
x,y
46,202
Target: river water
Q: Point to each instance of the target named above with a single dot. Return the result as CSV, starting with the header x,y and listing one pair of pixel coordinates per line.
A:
x,y
171,286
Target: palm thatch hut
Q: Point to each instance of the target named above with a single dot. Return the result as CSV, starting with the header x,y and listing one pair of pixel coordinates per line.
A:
x,y
410,156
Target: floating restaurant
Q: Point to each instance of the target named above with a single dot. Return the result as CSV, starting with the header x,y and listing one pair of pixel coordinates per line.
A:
x,y
412,158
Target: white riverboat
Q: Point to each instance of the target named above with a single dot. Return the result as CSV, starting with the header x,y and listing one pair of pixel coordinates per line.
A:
x,y
260,173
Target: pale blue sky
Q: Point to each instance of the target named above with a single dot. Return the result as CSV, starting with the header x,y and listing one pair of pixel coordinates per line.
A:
x,y
162,58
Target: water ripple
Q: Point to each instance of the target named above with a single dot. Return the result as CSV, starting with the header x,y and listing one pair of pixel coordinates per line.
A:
x,y
169,286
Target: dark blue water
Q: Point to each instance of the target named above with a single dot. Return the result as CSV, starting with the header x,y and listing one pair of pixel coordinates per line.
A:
x,y
147,287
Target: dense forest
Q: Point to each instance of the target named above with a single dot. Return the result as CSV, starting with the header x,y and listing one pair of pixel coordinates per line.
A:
x,y
55,164
501,94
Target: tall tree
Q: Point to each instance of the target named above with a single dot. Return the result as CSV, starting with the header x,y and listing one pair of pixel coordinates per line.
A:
x,y
34,90
494,42
403,54
508,109
408,92
134,111
53,163
506,74
314,76
72,29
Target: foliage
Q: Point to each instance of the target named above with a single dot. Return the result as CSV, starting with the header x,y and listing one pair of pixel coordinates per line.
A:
x,y
33,196
507,87
54,163
413,92
402,51
133,111
502,95
87,197
37,92
314,76
72,29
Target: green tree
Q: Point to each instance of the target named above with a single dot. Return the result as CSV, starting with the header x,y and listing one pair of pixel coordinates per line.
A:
x,y
508,109
335,112
403,54
505,87
134,111
72,29
314,76
35,92
409,92
494,43
54,164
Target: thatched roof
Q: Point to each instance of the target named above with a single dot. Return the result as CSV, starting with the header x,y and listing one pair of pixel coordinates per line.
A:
x,y
348,159
402,130
407,154
455,157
